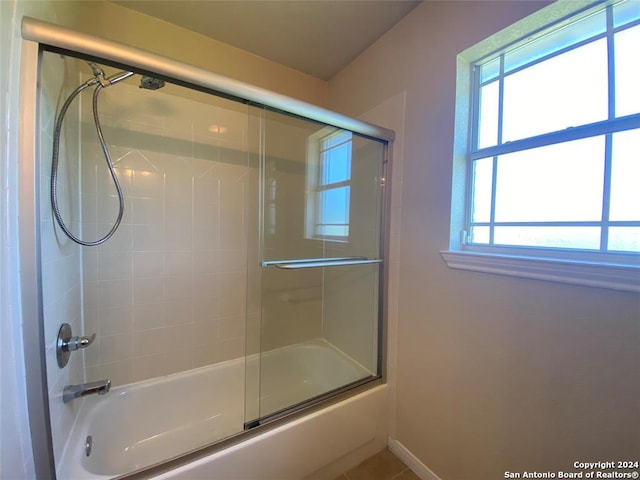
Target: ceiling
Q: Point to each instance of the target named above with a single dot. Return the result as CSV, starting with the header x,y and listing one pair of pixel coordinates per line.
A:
x,y
318,37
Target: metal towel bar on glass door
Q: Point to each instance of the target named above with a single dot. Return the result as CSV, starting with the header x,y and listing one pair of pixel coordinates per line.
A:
x,y
320,262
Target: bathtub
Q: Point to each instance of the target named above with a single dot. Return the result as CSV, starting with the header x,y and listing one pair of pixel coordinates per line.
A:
x,y
141,424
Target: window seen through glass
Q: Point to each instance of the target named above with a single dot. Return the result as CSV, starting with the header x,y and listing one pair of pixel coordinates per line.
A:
x,y
333,189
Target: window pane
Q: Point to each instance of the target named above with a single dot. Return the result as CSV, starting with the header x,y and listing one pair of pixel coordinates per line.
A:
x,y
564,91
624,203
625,239
334,206
479,235
488,128
561,182
482,185
557,237
335,139
626,12
556,40
336,164
627,46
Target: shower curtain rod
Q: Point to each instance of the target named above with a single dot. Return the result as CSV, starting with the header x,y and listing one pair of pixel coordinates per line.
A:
x,y
60,37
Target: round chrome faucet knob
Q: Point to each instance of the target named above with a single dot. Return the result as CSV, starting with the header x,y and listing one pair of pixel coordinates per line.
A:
x,y
67,344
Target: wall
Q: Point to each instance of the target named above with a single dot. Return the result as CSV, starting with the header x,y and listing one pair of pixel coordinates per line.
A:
x,y
494,373
121,24
61,258
15,448
17,460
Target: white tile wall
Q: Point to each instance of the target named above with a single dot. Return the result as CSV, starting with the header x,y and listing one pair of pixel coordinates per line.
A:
x,y
61,258
167,293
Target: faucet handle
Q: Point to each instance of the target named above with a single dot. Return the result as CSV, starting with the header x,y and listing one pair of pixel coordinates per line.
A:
x,y
66,344
76,343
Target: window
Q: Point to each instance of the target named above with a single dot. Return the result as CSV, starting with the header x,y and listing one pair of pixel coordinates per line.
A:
x,y
552,162
329,186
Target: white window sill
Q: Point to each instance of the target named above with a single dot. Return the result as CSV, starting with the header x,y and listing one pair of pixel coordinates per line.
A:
x,y
592,274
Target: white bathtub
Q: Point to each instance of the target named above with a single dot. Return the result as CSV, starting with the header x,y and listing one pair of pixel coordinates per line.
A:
x,y
142,424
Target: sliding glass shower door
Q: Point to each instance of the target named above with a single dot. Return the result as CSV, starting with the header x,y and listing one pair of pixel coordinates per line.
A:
x,y
319,255
248,250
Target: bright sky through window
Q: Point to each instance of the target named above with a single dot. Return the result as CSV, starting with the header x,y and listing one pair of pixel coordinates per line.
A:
x,y
555,157
333,189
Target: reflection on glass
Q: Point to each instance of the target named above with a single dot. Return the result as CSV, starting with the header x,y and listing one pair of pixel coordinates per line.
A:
x,y
561,182
565,91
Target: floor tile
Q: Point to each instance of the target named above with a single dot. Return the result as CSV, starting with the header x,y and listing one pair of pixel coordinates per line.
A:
x,y
382,466
406,475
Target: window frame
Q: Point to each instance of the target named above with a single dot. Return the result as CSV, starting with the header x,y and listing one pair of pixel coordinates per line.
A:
x,y
615,270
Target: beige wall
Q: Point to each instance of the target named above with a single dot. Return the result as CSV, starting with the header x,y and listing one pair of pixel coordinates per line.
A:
x,y
494,373
121,24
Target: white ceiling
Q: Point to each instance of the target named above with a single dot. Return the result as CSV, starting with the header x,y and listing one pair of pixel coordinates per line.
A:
x,y
318,37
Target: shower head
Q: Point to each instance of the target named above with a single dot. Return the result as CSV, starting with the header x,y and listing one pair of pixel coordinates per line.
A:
x,y
150,83
118,77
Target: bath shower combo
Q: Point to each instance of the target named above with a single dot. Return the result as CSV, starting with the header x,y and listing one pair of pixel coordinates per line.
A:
x,y
241,309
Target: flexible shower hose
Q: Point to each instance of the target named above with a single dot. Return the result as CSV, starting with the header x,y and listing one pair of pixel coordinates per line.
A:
x,y
105,151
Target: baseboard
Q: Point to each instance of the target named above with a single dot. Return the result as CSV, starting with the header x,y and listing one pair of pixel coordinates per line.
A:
x,y
419,468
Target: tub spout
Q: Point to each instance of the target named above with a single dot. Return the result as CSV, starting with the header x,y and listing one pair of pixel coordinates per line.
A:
x,y
74,391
